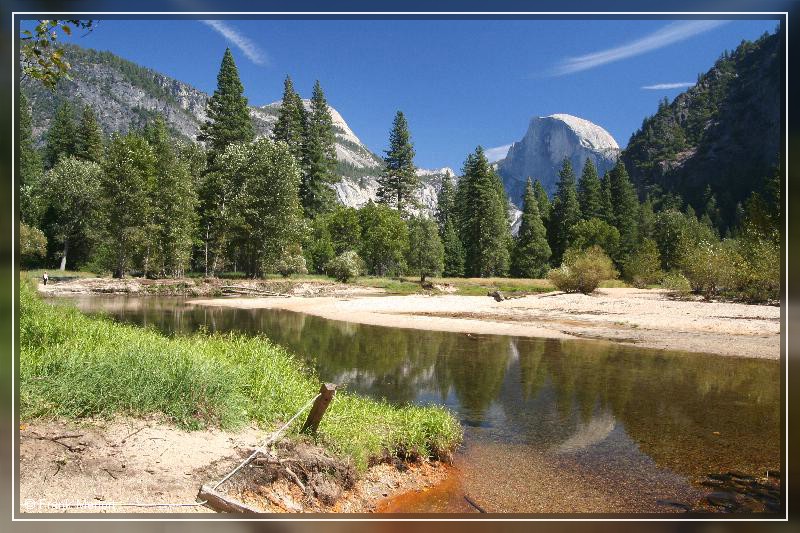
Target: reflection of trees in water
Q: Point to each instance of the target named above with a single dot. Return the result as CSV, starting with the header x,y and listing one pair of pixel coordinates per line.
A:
x,y
477,369
670,404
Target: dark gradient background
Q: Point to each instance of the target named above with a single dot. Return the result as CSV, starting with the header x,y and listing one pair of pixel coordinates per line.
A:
x,y
791,305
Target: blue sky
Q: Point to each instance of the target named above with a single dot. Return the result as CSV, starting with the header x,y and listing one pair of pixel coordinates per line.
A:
x,y
460,83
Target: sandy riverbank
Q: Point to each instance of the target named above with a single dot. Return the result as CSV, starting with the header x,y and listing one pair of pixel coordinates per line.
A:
x,y
644,317
93,464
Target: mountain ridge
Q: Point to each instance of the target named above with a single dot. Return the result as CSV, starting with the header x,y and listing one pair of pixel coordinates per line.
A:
x,y
125,95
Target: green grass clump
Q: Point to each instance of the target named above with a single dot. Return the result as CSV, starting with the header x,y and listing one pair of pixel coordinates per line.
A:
x,y
74,366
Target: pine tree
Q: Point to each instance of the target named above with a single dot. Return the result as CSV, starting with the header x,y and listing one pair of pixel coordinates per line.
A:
x,y
128,172
61,137
399,181
228,114
531,252
453,250
291,125
446,219
543,201
89,138
712,209
482,208
30,167
647,219
319,153
425,251
606,205
445,203
626,210
174,200
566,212
590,192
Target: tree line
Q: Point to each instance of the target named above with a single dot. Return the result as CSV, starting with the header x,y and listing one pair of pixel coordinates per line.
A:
x,y
144,203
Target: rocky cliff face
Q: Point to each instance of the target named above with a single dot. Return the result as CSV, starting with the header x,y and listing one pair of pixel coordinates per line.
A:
x,y
548,141
724,133
125,95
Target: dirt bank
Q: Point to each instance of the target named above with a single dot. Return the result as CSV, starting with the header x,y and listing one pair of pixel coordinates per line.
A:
x,y
201,287
644,317
94,464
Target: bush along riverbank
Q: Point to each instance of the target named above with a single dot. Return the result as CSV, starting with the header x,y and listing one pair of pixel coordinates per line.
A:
x,y
74,367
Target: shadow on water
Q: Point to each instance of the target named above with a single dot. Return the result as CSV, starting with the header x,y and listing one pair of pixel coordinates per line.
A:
x,y
643,425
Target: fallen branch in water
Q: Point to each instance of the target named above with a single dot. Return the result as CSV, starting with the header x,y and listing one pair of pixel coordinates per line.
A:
x,y
236,289
475,505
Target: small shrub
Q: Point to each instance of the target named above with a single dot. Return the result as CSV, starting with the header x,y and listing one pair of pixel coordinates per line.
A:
x,y
644,266
676,283
345,267
32,244
582,270
758,277
291,264
711,267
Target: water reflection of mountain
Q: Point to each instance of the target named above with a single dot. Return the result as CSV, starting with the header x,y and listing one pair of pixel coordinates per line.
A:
x,y
689,412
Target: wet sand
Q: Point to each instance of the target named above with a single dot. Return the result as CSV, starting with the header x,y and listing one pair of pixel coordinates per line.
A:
x,y
642,317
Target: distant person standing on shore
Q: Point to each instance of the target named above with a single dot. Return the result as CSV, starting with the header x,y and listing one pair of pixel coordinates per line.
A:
x,y
45,278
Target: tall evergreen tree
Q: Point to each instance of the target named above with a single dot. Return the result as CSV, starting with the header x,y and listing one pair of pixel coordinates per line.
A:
x,y
445,203
128,173
228,114
606,205
174,201
626,210
89,137
319,153
590,192
566,212
453,250
30,167
531,252
647,219
61,137
712,209
446,219
399,181
542,200
291,125
482,208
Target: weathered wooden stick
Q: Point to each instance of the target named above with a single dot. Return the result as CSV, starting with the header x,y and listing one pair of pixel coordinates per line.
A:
x,y
245,290
326,393
223,504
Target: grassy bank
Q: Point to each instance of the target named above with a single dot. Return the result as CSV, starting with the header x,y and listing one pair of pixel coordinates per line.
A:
x,y
75,366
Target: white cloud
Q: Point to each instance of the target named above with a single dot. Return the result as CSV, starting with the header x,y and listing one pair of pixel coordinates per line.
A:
x,y
669,34
663,86
248,47
497,153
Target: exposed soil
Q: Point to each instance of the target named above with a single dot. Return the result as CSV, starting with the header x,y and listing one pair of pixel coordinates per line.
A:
x,y
644,317
96,466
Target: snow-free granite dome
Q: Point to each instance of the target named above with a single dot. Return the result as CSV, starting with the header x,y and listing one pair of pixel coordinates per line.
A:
x,y
548,141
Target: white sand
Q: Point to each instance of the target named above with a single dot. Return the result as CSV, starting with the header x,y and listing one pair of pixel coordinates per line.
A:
x,y
643,317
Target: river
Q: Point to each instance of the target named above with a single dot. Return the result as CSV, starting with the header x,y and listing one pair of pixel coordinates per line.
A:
x,y
550,426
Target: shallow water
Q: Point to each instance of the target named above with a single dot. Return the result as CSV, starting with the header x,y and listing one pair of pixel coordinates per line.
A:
x,y
551,426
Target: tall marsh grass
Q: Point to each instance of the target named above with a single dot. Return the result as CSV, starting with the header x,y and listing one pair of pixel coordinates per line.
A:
x,y
75,366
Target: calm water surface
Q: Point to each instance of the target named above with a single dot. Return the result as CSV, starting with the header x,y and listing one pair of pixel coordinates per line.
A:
x,y
550,425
